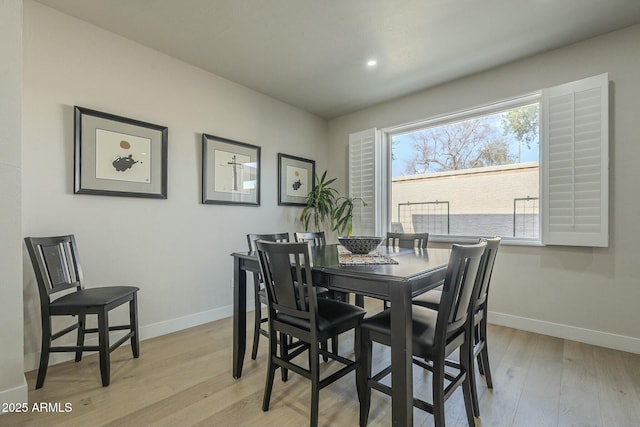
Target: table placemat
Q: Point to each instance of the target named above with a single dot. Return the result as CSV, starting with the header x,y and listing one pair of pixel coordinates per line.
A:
x,y
364,259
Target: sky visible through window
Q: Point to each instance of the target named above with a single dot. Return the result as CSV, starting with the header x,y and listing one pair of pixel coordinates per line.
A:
x,y
480,141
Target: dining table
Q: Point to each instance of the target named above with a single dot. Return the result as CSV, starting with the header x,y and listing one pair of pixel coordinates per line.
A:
x,y
401,275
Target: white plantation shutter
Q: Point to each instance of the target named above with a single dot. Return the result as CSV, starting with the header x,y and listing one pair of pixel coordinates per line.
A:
x,y
575,163
366,182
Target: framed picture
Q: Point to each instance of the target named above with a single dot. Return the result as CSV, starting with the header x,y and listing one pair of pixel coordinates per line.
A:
x,y
295,179
117,156
230,172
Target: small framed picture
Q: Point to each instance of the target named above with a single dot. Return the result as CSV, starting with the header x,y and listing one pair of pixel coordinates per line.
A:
x,y
118,156
230,172
295,179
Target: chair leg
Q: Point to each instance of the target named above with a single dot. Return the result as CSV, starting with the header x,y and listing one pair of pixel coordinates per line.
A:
x,y
469,367
438,393
44,350
284,351
133,319
257,316
484,354
314,368
257,323
271,373
358,359
468,402
103,344
334,344
363,372
478,339
324,346
80,341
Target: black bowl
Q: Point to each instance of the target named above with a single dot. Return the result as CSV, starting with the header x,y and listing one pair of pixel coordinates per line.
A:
x,y
360,244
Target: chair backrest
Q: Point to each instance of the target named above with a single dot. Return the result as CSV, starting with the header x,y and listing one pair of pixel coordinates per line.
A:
x,y
271,237
55,263
485,270
457,291
407,240
288,282
315,238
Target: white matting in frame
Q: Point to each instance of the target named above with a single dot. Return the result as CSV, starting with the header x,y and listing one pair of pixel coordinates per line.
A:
x,y
230,172
119,156
295,179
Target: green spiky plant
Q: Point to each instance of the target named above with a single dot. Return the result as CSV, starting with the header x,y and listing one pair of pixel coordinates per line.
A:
x,y
320,204
323,205
343,214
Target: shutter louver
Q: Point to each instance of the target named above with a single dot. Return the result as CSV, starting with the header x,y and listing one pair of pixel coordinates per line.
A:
x,y
575,166
362,180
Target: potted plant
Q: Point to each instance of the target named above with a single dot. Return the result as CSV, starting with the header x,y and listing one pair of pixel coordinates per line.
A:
x,y
343,214
320,204
323,205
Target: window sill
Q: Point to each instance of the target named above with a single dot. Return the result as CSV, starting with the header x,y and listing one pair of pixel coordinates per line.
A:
x,y
510,241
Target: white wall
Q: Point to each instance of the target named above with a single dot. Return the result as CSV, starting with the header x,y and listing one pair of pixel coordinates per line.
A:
x,y
588,294
13,387
176,250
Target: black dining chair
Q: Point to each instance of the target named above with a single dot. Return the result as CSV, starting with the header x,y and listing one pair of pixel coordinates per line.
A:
x,y
259,293
436,335
57,269
315,238
296,311
416,241
480,349
407,240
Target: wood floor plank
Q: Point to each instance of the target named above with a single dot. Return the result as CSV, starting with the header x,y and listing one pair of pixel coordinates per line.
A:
x,y
498,408
539,402
579,402
617,395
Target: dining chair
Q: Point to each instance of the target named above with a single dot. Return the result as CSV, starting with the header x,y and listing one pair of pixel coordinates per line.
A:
x,y
315,238
407,240
480,349
295,310
57,268
436,335
259,293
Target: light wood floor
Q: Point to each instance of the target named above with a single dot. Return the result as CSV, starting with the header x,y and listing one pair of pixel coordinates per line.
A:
x,y
184,379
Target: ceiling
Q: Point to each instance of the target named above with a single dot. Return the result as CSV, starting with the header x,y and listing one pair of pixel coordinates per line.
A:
x,y
312,53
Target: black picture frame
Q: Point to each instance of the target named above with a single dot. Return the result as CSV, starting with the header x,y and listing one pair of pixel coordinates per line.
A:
x,y
230,172
296,179
119,156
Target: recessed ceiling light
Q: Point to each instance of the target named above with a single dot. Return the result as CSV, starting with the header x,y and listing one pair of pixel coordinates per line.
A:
x,y
372,63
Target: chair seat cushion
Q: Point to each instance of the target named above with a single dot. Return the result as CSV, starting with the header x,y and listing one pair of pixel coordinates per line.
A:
x,y
332,316
424,327
429,299
94,296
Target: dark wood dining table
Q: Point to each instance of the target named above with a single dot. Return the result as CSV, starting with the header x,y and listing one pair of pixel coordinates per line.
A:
x,y
417,271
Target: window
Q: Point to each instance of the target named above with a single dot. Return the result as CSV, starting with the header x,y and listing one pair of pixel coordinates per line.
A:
x,y
531,169
469,174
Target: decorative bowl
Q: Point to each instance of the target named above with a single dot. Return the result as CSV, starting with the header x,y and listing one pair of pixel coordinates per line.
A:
x,y
360,244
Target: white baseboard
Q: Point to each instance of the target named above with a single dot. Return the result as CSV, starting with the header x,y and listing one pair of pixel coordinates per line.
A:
x,y
588,336
184,322
32,360
15,395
